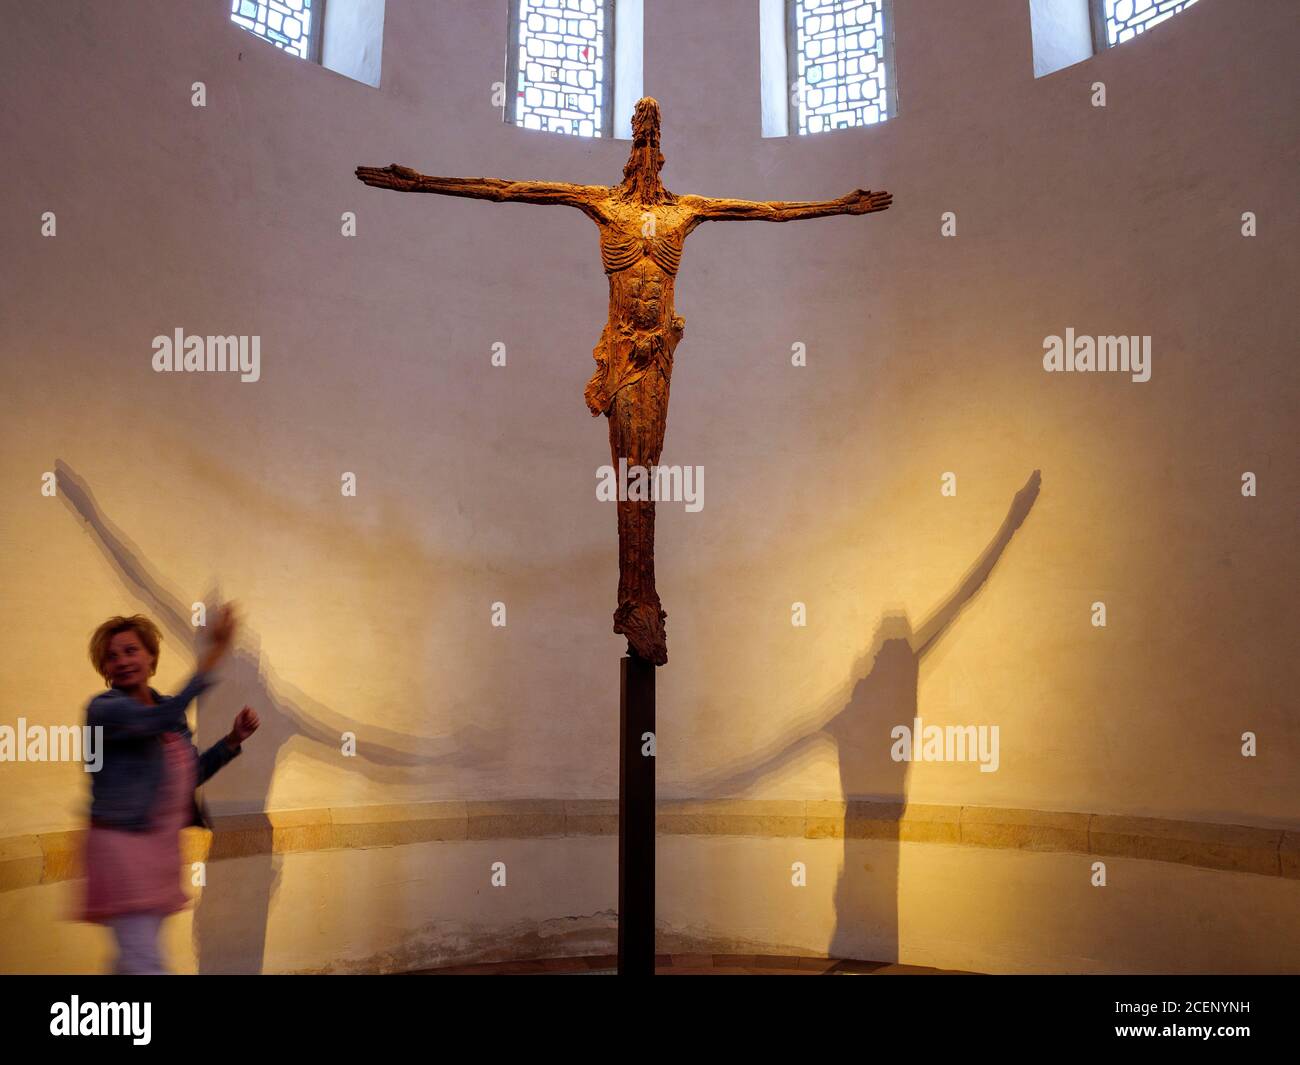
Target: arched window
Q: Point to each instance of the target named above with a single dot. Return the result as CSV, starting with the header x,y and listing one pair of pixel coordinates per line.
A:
x,y
1116,21
840,63
290,25
559,66
345,36
1069,31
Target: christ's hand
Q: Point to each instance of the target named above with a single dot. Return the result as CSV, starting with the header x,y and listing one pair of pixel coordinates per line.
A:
x,y
393,176
864,201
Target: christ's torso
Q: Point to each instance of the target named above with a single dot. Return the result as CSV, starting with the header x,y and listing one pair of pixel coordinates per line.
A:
x,y
641,248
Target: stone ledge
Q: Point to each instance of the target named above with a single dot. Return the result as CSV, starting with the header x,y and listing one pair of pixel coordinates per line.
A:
x,y
22,862
396,825
62,852
1032,830
864,819
50,857
591,817
1236,848
1289,855
518,819
731,817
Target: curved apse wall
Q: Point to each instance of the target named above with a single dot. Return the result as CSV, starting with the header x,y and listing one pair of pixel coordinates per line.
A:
x,y
372,614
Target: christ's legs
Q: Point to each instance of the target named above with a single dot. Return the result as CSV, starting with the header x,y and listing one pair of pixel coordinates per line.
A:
x,y
636,433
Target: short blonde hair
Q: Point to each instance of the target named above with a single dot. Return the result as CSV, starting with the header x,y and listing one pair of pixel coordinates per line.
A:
x,y
148,632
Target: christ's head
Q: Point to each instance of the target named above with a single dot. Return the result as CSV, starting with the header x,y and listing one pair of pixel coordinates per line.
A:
x,y
641,172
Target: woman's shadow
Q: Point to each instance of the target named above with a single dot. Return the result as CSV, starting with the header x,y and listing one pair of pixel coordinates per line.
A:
x,y
230,918
884,696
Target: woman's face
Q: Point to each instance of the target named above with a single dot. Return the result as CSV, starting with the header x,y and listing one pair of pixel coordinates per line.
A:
x,y
127,663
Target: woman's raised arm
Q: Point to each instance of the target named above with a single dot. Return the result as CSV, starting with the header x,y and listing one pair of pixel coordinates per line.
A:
x,y
122,715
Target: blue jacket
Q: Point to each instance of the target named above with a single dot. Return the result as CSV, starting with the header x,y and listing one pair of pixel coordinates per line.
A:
x,y
125,788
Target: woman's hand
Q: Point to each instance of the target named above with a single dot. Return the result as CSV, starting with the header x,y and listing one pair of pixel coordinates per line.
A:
x,y
223,635
223,632
246,722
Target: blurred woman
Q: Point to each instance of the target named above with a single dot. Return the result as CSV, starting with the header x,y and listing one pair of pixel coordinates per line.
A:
x,y
143,793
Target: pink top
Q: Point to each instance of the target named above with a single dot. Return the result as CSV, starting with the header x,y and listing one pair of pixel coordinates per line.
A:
x,y
127,872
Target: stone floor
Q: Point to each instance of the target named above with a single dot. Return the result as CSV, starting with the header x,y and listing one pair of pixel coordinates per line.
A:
x,y
694,965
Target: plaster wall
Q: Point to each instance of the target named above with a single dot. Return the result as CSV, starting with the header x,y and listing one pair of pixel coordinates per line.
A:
x,y
476,484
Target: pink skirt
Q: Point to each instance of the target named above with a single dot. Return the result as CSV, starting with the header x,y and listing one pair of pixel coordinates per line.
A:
x,y
130,872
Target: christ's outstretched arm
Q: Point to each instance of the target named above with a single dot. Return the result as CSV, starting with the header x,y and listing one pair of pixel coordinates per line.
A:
x,y
712,209
559,193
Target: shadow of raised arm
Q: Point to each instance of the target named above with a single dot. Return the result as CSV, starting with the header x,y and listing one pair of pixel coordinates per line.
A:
x,y
978,573
287,712
125,557
733,782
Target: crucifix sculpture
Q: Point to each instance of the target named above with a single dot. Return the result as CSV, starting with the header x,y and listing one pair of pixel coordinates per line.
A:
x,y
642,229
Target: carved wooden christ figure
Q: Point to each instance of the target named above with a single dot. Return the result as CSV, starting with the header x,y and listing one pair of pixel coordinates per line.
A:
x,y
642,229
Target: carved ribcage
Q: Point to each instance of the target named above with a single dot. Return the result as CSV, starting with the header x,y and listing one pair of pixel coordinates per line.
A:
x,y
620,252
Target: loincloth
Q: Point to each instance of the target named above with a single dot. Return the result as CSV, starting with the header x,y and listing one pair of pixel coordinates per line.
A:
x,y
624,355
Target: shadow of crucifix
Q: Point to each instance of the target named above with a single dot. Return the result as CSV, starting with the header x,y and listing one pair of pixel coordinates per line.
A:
x,y
231,915
883,697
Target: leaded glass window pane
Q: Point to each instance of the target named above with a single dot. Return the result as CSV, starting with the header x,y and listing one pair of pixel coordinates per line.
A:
x,y
840,59
1125,19
561,72
287,24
